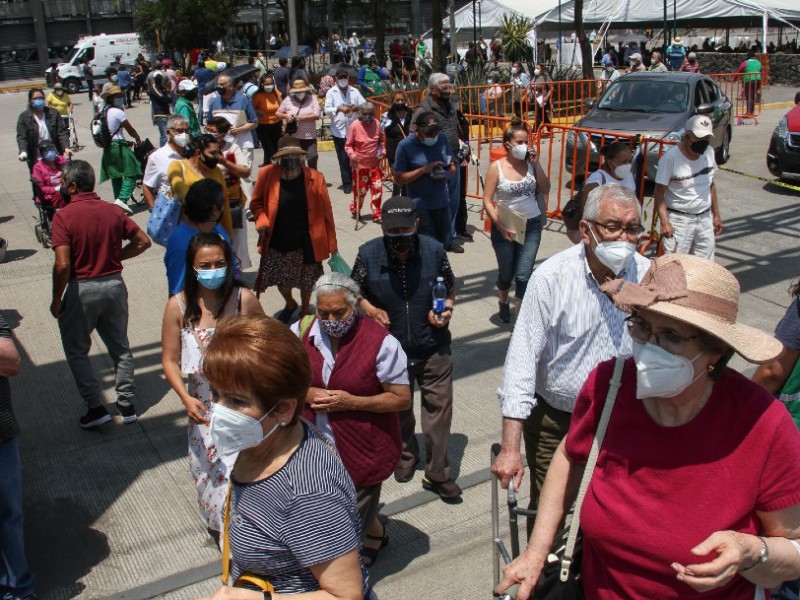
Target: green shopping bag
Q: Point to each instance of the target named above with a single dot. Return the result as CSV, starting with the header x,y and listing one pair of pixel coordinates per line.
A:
x,y
339,265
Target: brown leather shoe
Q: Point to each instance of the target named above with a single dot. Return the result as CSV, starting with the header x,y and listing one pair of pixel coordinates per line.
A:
x,y
403,474
447,490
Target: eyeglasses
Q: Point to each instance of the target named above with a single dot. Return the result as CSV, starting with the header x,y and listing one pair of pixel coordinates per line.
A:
x,y
180,129
613,229
668,340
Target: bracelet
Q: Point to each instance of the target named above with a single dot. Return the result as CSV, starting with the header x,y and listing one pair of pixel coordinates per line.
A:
x,y
450,308
763,556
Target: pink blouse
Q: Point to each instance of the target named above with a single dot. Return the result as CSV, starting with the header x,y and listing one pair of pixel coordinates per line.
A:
x,y
306,130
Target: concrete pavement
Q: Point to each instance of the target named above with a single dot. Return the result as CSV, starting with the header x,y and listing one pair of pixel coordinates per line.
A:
x,y
111,513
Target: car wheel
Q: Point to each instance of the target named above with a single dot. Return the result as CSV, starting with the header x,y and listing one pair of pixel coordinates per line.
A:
x,y
73,86
724,151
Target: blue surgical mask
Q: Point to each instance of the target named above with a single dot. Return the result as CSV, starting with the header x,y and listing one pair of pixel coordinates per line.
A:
x,y
367,118
211,279
37,104
50,155
430,141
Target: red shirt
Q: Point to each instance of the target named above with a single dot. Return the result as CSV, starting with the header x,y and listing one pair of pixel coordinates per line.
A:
x,y
659,491
94,230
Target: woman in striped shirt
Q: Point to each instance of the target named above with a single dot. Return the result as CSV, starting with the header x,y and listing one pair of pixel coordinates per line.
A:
x,y
291,517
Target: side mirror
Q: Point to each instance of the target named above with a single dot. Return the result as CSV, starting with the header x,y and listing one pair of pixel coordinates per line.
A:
x,y
589,102
704,109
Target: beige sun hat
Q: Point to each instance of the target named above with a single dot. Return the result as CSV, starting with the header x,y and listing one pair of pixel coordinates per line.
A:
x,y
289,145
299,86
698,292
113,90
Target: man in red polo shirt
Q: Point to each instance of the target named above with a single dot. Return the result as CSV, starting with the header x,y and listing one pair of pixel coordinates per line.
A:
x,y
88,290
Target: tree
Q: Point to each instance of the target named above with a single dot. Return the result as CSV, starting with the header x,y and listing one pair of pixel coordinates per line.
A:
x,y
184,24
436,36
514,38
587,59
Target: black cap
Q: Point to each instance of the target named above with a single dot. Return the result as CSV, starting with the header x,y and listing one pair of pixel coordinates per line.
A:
x,y
398,212
428,122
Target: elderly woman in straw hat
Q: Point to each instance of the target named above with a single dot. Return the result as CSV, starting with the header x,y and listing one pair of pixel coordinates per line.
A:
x,y
299,111
119,163
294,220
695,492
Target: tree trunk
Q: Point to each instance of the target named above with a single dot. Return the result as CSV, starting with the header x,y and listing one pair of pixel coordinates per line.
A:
x,y
380,31
583,41
436,32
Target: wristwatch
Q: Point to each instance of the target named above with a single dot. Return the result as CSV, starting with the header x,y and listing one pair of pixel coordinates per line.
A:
x,y
763,556
267,595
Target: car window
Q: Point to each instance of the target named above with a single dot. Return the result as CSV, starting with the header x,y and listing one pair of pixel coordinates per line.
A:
x,y
639,95
86,54
711,91
699,95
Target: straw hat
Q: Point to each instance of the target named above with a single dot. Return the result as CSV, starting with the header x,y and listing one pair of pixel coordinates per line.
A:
x,y
698,292
287,146
299,86
113,90
677,39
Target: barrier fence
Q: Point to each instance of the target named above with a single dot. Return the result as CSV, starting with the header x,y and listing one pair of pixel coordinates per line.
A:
x,y
744,92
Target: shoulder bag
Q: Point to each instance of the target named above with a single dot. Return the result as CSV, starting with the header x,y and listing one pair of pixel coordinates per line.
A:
x,y
163,221
245,580
560,578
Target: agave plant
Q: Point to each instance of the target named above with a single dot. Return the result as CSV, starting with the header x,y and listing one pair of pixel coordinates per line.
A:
x,y
513,34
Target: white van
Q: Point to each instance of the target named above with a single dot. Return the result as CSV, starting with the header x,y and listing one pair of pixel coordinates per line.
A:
x,y
101,51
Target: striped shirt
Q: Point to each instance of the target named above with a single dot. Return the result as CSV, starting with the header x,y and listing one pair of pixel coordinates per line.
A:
x,y
303,515
565,328
8,424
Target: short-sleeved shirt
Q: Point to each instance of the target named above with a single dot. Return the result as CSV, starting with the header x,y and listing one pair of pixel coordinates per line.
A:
x,y
155,173
426,192
788,330
116,117
238,102
124,79
94,231
600,177
306,130
659,491
303,515
9,428
175,257
203,75
60,103
688,181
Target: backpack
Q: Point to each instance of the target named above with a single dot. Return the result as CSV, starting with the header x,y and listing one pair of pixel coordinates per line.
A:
x,y
101,134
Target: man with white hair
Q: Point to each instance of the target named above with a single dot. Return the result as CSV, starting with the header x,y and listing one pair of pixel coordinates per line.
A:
x,y
565,328
439,102
685,195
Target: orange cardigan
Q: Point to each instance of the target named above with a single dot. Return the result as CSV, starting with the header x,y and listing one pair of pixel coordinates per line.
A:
x,y
264,205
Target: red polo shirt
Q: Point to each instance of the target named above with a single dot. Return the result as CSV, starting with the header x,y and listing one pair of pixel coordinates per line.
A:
x,y
94,230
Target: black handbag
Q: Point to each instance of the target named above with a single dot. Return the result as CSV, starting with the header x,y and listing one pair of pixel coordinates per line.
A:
x,y
560,578
572,212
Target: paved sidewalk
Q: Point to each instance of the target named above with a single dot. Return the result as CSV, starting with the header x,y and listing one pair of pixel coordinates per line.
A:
x,y
112,513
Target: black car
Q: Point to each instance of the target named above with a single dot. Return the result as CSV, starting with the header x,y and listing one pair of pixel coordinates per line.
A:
x,y
653,105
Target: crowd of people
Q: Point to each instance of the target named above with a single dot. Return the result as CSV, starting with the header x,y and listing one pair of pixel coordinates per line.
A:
x,y
295,422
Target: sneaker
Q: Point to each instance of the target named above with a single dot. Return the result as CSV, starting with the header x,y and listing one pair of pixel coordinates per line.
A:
x,y
456,249
248,214
446,490
124,206
505,312
348,189
94,417
376,220
403,474
127,412
465,235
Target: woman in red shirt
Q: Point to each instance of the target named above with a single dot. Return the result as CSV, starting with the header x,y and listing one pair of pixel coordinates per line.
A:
x,y
365,148
695,493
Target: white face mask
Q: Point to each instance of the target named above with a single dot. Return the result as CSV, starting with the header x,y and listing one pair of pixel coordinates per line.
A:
x,y
343,83
622,171
232,432
269,88
660,374
520,152
300,96
615,255
514,70
537,72
181,139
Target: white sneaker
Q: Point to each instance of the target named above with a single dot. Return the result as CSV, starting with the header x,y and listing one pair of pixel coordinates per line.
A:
x,y
123,206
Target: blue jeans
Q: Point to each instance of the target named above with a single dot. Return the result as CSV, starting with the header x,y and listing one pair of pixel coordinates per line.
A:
x,y
515,262
454,192
435,223
16,581
161,123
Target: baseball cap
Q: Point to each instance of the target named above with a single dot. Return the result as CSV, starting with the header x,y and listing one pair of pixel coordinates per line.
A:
x,y
187,85
428,122
700,126
398,212
636,56
691,55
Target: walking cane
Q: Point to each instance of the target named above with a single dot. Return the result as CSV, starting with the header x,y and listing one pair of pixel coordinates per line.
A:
x,y
262,265
357,198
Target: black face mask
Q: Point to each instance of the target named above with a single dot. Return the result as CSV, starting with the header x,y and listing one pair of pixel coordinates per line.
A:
x,y
190,95
220,90
401,244
209,161
290,164
399,106
699,147
445,96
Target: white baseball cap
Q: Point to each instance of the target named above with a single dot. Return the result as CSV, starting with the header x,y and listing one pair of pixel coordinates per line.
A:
x,y
187,85
700,126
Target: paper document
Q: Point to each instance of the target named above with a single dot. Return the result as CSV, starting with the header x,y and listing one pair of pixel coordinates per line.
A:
x,y
511,219
236,118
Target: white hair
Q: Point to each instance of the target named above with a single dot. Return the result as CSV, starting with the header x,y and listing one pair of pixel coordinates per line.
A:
x,y
366,108
334,283
437,79
610,192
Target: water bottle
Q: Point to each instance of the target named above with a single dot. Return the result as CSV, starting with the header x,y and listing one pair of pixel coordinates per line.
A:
x,y
439,295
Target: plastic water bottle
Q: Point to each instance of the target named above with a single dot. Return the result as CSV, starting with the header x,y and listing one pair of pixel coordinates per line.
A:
x,y
439,295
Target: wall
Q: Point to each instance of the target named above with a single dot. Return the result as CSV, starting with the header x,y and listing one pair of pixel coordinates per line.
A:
x,y
784,69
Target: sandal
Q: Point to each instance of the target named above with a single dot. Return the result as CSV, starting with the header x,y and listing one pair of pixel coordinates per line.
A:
x,y
370,555
285,315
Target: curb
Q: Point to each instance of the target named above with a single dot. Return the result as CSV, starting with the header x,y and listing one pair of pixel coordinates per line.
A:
x,y
21,88
786,104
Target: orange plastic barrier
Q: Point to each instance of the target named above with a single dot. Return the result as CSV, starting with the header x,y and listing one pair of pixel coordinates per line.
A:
x,y
744,95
